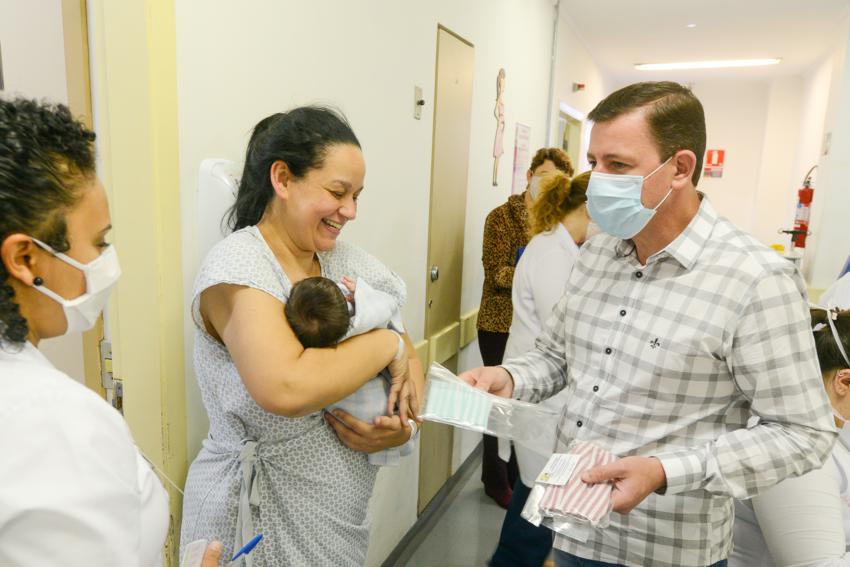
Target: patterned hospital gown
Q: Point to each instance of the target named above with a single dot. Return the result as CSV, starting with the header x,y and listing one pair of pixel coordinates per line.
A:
x,y
288,478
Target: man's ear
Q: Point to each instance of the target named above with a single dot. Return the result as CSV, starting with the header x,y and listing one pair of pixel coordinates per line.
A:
x,y
685,162
18,256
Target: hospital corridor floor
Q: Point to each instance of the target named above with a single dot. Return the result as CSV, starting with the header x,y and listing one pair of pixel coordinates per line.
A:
x,y
467,532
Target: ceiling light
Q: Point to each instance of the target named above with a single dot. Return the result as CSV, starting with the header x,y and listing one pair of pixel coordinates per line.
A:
x,y
691,26
705,64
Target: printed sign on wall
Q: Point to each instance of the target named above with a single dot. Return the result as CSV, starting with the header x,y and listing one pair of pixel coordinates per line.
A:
x,y
714,163
521,158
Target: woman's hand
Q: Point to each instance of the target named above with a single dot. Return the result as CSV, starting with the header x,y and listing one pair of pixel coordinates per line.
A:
x,y
212,555
402,390
385,433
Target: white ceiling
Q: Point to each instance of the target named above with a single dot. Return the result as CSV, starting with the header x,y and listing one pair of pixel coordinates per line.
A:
x,y
620,33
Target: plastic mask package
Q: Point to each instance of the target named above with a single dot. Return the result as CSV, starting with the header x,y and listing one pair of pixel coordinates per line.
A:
x,y
561,501
450,400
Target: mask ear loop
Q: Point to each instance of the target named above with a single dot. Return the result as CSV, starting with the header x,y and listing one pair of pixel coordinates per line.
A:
x,y
831,315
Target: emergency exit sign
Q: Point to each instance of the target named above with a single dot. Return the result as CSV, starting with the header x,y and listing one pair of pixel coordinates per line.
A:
x,y
713,165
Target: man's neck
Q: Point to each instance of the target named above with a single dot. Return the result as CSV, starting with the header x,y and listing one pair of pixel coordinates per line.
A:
x,y
666,226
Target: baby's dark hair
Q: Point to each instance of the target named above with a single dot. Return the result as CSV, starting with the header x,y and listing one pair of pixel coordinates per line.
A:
x,y
317,311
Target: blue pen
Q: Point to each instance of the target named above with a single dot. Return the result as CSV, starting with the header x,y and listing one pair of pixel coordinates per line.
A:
x,y
248,547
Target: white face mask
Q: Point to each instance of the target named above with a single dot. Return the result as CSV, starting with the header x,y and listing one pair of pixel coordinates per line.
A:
x,y
101,274
534,187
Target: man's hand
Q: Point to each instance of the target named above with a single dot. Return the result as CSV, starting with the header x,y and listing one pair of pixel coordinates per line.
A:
x,y
493,379
634,479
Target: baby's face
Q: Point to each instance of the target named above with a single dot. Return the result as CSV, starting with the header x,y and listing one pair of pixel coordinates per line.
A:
x,y
350,285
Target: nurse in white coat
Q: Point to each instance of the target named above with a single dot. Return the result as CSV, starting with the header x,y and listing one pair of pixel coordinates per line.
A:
x,y
558,223
805,521
74,490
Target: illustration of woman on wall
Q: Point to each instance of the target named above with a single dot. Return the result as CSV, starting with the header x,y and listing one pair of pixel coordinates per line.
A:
x,y
499,113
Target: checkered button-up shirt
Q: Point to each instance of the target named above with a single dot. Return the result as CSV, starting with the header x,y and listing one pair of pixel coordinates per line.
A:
x,y
704,358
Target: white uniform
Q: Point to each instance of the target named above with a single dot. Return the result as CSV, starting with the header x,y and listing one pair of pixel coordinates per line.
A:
x,y
539,281
800,521
74,490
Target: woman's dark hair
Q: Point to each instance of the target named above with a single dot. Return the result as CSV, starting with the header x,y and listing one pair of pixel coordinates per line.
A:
x,y
829,355
46,157
300,138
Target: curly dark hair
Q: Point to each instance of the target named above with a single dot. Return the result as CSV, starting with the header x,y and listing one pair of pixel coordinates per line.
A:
x,y
46,157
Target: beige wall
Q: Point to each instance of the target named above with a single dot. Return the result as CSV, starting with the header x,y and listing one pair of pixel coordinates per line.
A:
x,y
830,245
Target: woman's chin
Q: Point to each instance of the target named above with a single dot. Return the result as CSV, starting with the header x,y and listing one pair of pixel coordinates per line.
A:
x,y
325,243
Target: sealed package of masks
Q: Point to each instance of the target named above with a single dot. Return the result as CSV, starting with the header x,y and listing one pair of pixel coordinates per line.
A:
x,y
564,503
450,400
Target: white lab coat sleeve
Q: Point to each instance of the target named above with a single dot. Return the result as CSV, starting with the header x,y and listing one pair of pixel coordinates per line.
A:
x,y
69,492
801,520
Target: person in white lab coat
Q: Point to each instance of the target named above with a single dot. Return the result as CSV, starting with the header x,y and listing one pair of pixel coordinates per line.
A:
x,y
806,520
74,489
558,223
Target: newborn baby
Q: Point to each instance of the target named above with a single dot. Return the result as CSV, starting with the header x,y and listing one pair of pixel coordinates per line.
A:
x,y
322,312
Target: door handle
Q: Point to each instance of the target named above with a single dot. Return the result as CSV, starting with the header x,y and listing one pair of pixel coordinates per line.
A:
x,y
435,273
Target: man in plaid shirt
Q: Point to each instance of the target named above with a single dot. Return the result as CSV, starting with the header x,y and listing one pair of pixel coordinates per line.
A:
x,y
685,345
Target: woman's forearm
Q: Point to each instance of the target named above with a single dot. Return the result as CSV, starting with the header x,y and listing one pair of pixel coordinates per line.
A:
x,y
321,377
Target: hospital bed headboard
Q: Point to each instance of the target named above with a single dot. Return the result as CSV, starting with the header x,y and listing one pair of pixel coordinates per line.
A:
x,y
218,182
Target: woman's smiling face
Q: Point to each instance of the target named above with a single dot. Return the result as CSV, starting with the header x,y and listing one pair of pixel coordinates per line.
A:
x,y
325,199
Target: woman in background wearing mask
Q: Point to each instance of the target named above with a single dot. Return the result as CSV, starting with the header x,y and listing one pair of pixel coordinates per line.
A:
x,y
74,489
559,223
505,237
806,520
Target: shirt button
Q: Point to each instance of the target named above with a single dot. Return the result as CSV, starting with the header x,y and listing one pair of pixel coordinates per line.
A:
x,y
638,275
622,312
608,350
596,388
579,423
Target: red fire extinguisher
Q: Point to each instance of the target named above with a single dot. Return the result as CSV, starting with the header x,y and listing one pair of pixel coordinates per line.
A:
x,y
801,218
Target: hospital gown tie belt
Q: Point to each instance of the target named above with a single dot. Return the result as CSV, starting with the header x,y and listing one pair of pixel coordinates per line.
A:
x,y
249,495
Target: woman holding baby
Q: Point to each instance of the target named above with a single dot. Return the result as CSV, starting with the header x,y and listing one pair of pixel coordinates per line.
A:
x,y
273,461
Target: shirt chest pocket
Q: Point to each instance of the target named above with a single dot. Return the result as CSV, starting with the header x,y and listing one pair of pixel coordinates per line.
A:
x,y
668,378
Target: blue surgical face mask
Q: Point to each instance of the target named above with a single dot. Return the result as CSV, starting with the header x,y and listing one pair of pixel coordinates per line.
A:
x,y
613,202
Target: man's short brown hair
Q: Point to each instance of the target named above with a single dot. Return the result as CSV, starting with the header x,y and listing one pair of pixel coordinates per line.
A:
x,y
675,116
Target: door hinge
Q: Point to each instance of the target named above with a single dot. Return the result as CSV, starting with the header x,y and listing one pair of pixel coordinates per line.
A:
x,y
113,386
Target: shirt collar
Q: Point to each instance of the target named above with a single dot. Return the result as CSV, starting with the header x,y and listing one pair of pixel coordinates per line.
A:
x,y
686,247
23,353
564,237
